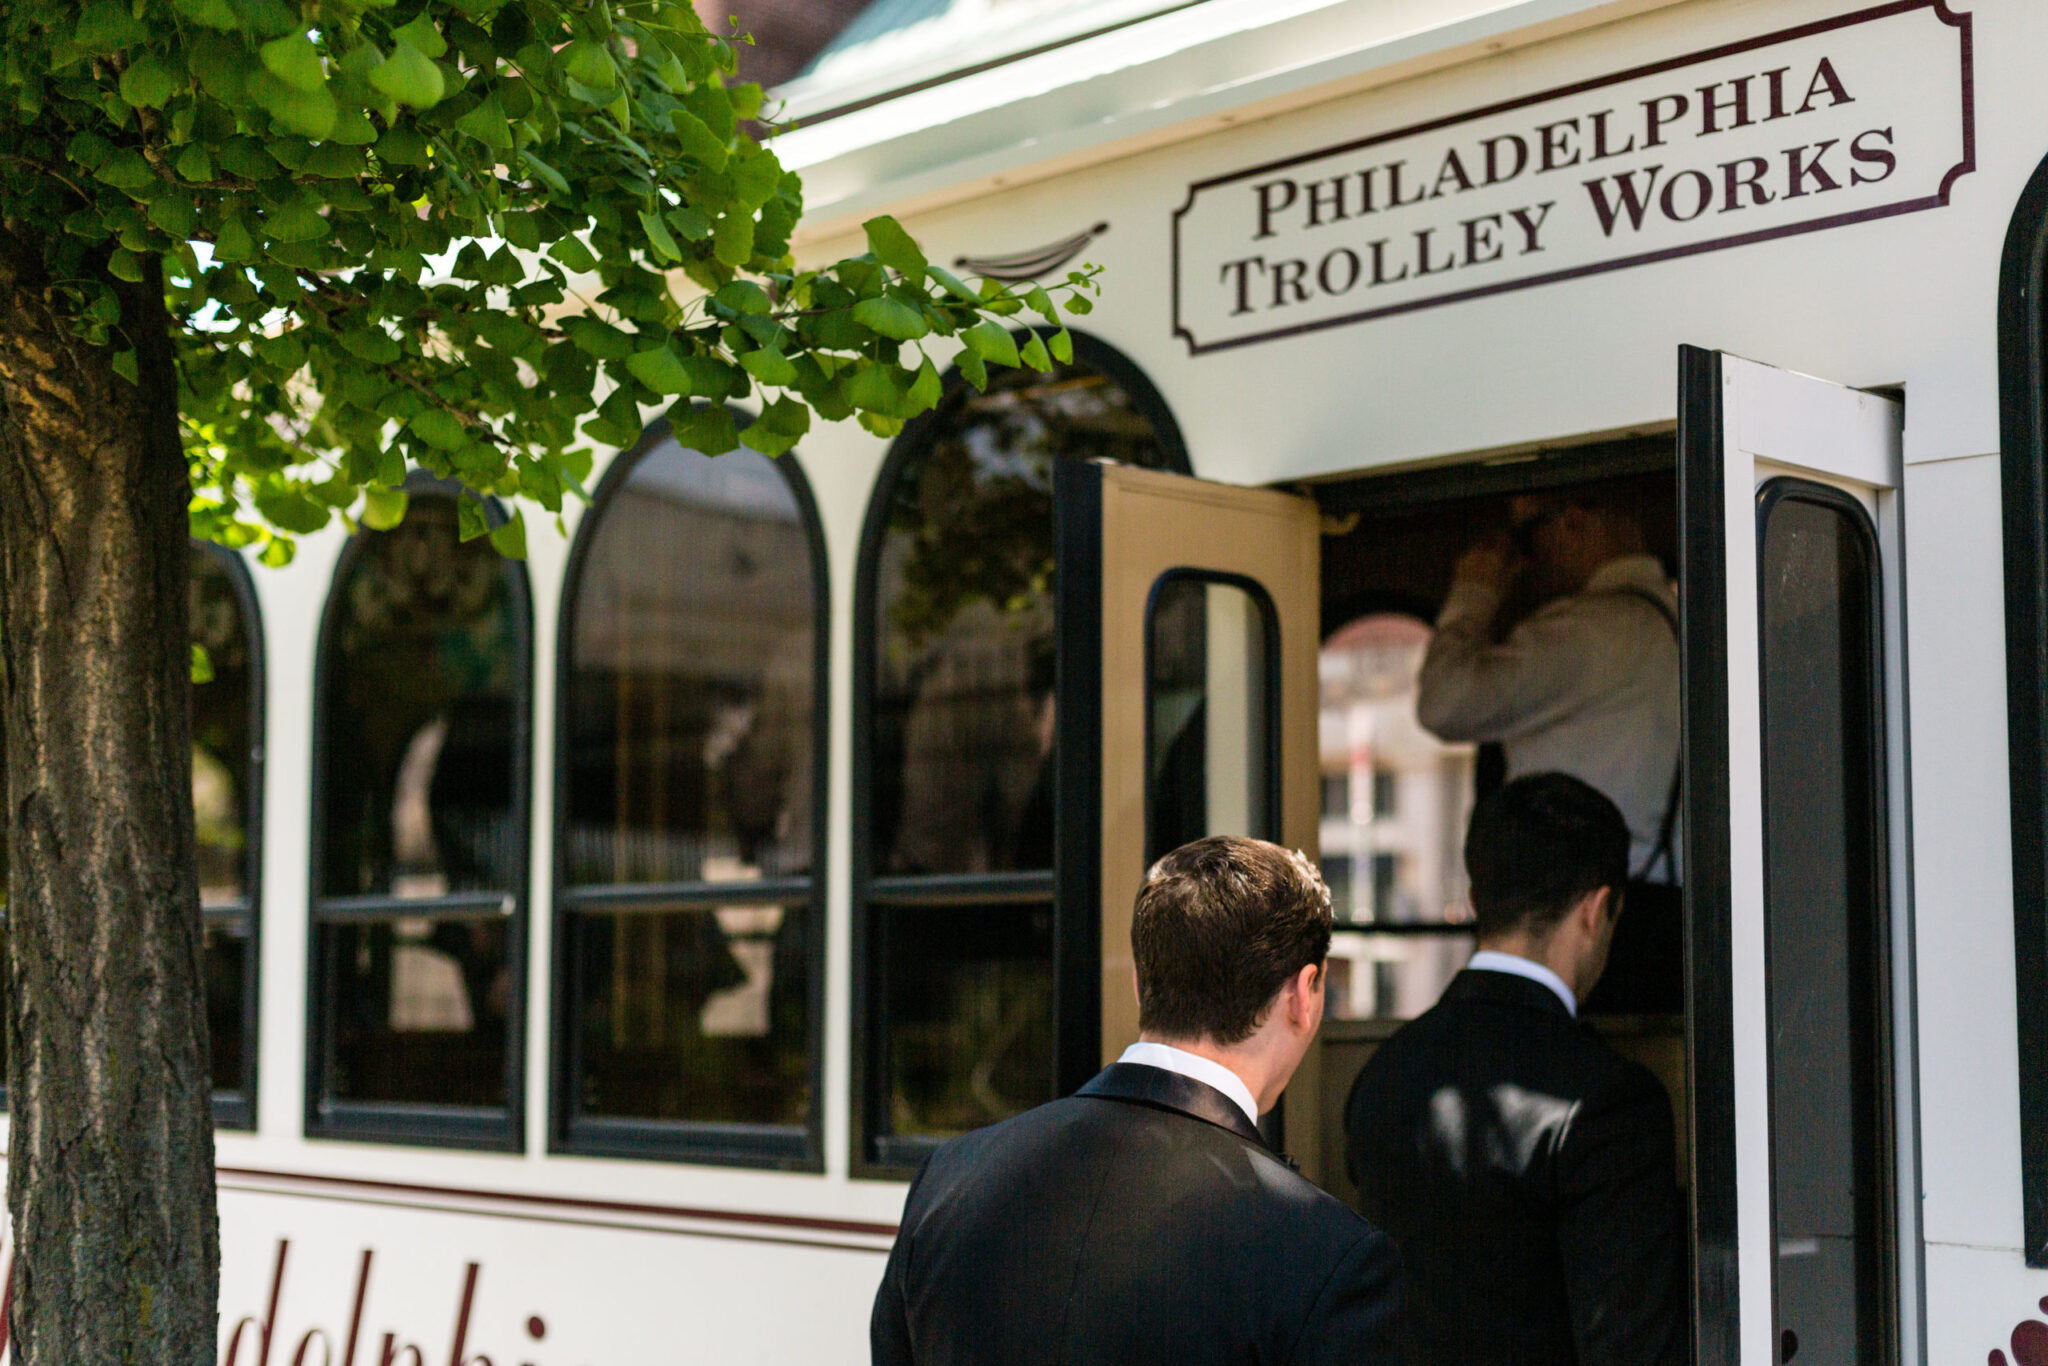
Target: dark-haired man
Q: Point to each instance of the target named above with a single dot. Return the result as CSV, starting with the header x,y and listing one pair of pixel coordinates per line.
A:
x,y
1143,1219
1524,1168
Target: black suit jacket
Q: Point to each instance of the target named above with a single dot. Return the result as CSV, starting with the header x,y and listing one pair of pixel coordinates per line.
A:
x,y
1139,1220
1527,1173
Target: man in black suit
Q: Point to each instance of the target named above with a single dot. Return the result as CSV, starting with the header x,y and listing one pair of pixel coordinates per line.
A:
x,y
1143,1219
1524,1168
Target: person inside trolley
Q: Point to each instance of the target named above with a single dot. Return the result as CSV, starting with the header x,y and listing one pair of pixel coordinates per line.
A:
x,y
1586,683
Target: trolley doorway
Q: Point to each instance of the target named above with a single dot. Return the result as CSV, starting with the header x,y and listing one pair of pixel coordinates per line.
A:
x,y
1775,507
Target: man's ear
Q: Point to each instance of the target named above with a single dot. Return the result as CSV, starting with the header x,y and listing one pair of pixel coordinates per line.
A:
x,y
1598,907
1301,988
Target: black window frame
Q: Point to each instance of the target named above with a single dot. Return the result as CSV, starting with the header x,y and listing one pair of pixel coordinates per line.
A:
x,y
235,1107
2023,473
489,1129
1877,951
773,1147
877,1154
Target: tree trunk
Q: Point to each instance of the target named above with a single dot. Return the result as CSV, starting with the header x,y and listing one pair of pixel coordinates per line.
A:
x,y
110,1154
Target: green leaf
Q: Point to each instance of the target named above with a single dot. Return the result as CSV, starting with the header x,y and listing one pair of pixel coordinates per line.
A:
x,y
769,367
925,391
233,243
697,140
439,428
107,26
548,174
598,338
488,125
409,77
889,318
291,508
202,664
148,82
383,509
658,238
1033,354
125,265
1062,346
571,252
879,389
660,370
709,428
194,164
893,248
509,536
402,145
295,61
992,342
953,284
295,220
1041,303
975,368
522,230
311,113
175,214
732,240
587,63
211,13
745,297
124,366
421,35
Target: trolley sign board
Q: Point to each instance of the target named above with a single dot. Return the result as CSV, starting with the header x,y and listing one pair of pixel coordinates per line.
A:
x,y
1827,124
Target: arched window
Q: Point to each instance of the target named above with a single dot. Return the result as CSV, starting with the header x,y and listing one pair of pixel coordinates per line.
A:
x,y
227,806
954,656
419,837
689,924
227,811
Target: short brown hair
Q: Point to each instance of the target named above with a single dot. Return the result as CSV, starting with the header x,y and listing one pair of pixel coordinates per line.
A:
x,y
1220,926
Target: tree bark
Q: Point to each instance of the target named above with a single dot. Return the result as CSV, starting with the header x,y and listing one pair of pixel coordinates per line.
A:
x,y
110,1176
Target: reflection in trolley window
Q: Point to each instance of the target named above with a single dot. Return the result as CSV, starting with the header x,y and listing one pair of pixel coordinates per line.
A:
x,y
227,782
421,701
690,928
953,846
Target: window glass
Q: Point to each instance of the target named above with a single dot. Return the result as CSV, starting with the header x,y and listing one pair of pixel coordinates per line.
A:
x,y
701,1014
959,740
420,1009
963,642
969,1014
1824,914
421,840
1393,828
420,679
223,748
690,715
1210,733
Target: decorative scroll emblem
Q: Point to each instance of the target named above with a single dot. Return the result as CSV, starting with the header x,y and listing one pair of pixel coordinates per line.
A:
x,y
1030,265
1820,126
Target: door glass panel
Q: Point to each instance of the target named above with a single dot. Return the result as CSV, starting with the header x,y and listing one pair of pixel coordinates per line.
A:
x,y
1824,915
1210,734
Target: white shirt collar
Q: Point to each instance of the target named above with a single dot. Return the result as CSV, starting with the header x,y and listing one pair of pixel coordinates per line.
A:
x,y
1490,960
1171,1059
1630,571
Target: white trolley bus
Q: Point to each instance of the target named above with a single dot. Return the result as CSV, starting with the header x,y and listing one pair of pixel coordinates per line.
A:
x,y
596,944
